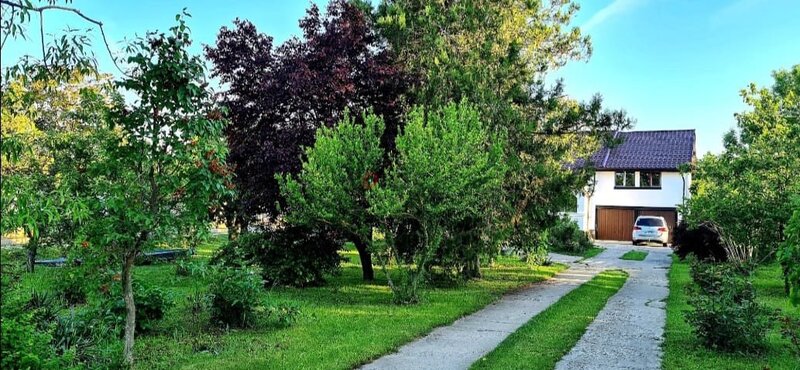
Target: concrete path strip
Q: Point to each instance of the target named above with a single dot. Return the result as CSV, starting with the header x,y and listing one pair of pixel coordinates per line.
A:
x,y
628,332
471,337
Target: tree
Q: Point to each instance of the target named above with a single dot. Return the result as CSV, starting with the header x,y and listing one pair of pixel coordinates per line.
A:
x,y
53,121
338,171
446,170
164,168
278,98
745,190
496,55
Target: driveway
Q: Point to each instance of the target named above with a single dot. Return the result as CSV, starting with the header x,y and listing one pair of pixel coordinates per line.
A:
x,y
629,331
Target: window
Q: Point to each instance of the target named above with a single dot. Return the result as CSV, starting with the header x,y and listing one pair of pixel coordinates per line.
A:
x,y
624,179
652,222
650,179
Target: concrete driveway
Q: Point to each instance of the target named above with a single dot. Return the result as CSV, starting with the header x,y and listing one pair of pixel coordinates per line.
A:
x,y
629,331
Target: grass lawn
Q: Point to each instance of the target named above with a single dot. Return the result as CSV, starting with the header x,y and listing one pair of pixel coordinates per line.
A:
x,y
342,324
634,256
550,335
589,253
683,351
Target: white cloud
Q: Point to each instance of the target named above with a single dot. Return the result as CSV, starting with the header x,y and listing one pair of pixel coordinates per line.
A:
x,y
614,8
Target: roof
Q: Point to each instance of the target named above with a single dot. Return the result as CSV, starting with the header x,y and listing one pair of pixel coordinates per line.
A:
x,y
647,150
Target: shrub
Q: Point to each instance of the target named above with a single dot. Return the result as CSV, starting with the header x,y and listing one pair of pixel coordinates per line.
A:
x,y
565,236
725,313
292,255
235,296
186,267
24,347
790,330
43,307
71,285
152,303
284,314
701,241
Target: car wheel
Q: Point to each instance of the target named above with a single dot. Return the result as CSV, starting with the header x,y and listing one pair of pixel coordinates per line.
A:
x,y
635,242
664,244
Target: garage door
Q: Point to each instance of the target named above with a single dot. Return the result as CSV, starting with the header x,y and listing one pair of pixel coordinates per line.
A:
x,y
615,223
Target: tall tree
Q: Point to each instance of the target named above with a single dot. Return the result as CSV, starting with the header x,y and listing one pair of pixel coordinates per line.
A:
x,y
53,122
277,98
164,167
496,54
745,190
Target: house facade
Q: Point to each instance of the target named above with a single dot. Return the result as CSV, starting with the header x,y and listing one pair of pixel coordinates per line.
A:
x,y
640,176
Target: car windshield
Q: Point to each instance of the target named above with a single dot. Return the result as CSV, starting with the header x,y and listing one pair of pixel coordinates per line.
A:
x,y
649,222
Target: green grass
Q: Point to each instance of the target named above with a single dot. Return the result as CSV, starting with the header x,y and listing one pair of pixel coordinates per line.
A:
x,y
592,252
343,324
550,335
682,350
634,256
589,253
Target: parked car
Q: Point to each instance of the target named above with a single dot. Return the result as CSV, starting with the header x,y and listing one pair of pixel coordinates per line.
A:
x,y
650,229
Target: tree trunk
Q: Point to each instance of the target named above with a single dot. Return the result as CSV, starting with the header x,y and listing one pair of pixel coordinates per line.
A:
x,y
31,250
366,259
472,269
130,307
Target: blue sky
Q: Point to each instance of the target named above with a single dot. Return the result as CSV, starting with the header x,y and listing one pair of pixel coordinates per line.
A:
x,y
671,64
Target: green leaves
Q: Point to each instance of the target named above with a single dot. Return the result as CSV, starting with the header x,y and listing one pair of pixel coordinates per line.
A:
x,y
338,172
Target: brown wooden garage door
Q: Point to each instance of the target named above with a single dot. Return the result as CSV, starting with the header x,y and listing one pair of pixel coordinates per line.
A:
x,y
617,223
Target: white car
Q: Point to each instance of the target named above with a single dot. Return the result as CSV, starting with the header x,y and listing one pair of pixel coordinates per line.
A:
x,y
650,229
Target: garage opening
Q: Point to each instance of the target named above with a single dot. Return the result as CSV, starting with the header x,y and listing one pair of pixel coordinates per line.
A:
x,y
616,223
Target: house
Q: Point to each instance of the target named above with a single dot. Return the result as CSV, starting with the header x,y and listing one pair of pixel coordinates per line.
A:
x,y
640,176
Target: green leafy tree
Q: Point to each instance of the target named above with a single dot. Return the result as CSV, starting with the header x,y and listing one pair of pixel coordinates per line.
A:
x,y
338,171
446,169
164,168
53,123
745,190
496,55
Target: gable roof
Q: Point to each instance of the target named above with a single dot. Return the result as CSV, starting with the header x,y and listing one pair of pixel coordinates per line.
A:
x,y
647,150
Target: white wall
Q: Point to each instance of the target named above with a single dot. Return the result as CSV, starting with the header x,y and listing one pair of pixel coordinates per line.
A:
x,y
673,189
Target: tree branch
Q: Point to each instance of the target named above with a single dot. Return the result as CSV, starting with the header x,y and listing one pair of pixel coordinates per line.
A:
x,y
41,11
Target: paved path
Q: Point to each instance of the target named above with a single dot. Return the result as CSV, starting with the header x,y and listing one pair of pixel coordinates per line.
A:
x,y
471,337
628,332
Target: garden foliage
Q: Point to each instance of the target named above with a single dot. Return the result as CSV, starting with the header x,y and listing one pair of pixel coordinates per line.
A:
x,y
565,236
290,255
701,241
725,314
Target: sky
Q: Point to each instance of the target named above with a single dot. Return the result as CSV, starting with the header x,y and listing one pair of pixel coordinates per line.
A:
x,y
671,64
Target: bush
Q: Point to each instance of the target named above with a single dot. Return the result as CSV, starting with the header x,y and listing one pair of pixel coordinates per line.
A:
x,y
71,285
186,267
725,313
702,242
152,303
43,307
24,347
235,296
292,255
565,236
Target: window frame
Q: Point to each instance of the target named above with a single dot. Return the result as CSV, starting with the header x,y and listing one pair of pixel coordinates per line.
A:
x,y
625,174
649,175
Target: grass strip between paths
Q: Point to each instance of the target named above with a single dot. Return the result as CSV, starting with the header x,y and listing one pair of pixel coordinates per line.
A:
x,y
550,335
634,256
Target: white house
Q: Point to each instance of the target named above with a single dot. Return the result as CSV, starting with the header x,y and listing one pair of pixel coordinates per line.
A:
x,y
640,176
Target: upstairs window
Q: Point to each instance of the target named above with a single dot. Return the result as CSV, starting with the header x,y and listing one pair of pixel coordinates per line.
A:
x,y
650,179
624,179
